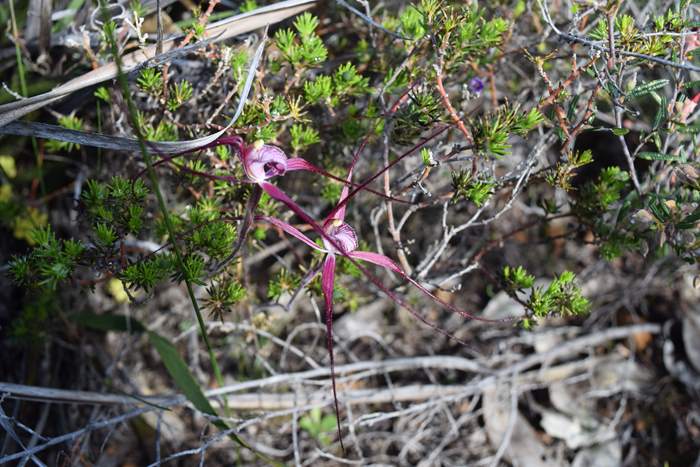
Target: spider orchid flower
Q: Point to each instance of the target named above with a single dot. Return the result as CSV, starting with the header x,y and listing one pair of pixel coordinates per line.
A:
x,y
262,162
339,238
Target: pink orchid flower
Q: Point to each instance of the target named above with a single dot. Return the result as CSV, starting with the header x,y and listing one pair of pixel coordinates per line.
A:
x,y
262,162
339,238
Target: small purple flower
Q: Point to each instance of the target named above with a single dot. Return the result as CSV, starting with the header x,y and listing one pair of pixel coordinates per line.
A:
x,y
476,85
263,161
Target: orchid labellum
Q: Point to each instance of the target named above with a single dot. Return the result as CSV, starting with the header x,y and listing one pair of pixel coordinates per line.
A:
x,y
262,162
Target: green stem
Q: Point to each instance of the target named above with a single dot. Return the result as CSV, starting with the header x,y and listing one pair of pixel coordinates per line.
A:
x,y
24,91
18,52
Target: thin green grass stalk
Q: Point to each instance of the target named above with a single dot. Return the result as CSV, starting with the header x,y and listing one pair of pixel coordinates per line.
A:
x,y
99,130
24,91
121,78
18,51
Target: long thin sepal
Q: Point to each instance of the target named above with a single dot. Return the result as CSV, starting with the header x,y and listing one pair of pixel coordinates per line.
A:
x,y
281,196
290,229
363,185
340,212
327,285
388,263
298,163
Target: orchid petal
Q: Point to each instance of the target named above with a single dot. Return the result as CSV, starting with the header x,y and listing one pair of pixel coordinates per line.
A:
x,y
387,263
362,255
281,196
379,260
340,213
340,209
327,285
297,163
236,141
290,229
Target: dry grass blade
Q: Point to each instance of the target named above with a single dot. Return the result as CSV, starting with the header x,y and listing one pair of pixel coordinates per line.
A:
x,y
215,32
58,133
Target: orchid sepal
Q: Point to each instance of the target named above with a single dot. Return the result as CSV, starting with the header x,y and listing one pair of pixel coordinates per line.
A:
x,y
327,286
291,230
